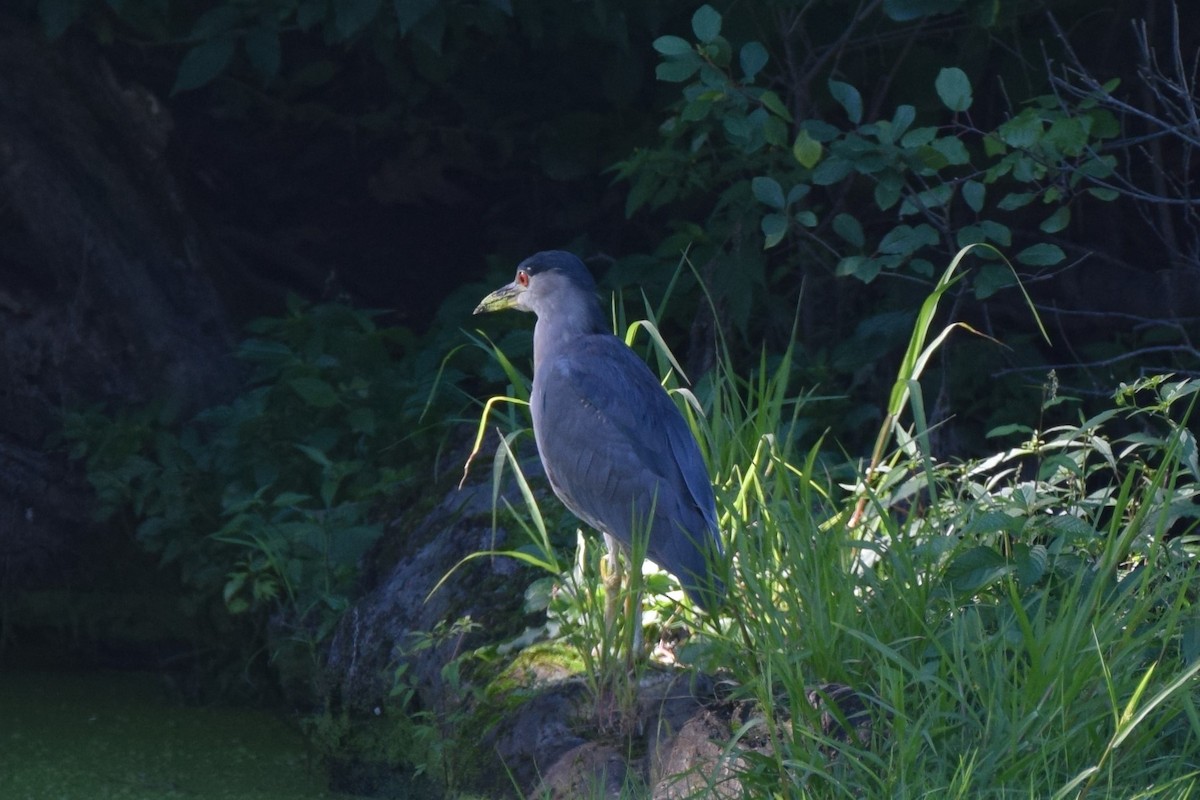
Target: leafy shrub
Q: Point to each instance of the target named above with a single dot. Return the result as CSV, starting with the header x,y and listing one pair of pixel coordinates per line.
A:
x,y
266,505
798,168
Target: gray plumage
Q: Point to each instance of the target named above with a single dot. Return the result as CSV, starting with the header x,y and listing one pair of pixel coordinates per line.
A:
x,y
617,451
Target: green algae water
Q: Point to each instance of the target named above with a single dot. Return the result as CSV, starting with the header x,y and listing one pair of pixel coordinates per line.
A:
x,y
115,735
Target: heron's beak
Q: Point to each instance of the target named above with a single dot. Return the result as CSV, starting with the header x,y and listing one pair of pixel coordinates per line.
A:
x,y
502,298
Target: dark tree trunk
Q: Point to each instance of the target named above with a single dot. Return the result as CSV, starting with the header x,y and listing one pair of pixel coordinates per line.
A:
x,y
105,283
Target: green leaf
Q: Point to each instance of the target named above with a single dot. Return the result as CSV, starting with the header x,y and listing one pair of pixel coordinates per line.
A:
x,y
753,57
1041,255
806,149
953,149
905,239
887,191
861,267
314,391
932,159
1030,562
774,228
672,46
410,12
262,49
968,235
1071,527
996,232
350,544
767,190
1022,131
233,586
849,228
202,63
739,130
237,606
315,454
820,131
974,193
798,192
806,218
1015,200
1100,167
936,197
775,131
1104,193
921,266
706,23
288,498
677,71
953,88
1056,221
849,99
1067,135
976,569
1027,169
772,103
902,119
918,137
831,170
991,279
1007,430
696,110
1104,124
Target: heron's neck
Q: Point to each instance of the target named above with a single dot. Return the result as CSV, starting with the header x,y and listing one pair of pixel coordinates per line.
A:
x,y
565,323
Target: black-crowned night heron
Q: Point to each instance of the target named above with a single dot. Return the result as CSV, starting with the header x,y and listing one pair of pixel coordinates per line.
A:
x,y
616,449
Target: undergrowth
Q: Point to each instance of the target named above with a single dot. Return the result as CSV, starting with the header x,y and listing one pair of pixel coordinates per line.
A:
x,y
264,506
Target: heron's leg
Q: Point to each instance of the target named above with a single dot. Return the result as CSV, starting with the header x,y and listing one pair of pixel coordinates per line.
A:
x,y
612,583
633,600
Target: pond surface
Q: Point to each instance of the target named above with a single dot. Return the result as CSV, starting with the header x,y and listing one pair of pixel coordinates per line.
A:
x,y
97,736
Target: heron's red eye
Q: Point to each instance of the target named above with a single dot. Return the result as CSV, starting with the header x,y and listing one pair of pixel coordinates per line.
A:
x,y
522,277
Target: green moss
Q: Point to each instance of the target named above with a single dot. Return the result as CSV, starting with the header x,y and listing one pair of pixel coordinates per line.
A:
x,y
533,667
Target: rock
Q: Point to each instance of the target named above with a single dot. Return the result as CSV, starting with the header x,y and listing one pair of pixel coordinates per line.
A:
x,y
107,293
531,739
695,762
844,712
592,770
404,625
383,629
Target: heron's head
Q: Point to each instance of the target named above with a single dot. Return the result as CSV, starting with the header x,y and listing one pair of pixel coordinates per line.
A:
x,y
554,279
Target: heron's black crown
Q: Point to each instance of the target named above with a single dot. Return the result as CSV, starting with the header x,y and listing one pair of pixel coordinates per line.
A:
x,y
559,261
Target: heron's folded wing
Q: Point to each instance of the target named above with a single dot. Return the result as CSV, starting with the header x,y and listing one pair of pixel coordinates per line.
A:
x,y
615,443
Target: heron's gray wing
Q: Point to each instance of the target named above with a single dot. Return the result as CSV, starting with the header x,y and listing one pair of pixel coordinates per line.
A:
x,y
616,448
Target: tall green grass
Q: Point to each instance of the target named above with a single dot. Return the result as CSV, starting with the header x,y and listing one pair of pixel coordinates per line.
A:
x,y
1019,626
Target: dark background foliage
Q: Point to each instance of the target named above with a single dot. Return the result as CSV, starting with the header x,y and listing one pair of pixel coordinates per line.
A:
x,y
172,170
